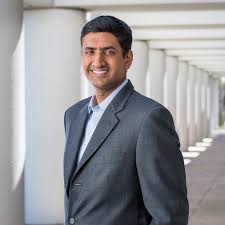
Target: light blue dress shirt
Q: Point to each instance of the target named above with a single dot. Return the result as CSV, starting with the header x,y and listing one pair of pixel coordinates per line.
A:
x,y
95,113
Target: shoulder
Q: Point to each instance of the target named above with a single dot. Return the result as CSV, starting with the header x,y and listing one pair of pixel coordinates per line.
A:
x,y
148,111
75,108
156,121
145,105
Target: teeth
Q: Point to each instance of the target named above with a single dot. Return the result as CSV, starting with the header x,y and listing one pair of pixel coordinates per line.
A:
x,y
99,71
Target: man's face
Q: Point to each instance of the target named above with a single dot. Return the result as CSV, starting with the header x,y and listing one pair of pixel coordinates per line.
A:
x,y
103,61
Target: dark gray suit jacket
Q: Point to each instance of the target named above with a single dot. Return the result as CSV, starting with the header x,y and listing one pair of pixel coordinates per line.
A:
x,y
132,171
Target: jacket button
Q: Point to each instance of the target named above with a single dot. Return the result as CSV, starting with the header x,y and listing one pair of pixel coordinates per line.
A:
x,y
71,221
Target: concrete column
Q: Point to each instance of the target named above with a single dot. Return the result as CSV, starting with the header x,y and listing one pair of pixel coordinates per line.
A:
x,y
86,88
182,104
155,75
221,103
198,104
52,84
12,151
191,105
214,104
204,105
216,100
209,105
170,82
137,72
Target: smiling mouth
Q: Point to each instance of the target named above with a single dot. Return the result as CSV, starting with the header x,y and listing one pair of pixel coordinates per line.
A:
x,y
98,71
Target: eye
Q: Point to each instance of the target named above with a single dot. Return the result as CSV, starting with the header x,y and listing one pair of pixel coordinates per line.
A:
x,y
109,51
89,51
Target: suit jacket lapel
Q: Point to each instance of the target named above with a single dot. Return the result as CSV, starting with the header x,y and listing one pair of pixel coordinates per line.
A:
x,y
106,124
75,138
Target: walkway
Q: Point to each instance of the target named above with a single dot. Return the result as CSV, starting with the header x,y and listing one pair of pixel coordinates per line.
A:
x,y
206,182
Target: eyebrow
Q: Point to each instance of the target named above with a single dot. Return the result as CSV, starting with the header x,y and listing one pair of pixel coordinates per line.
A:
x,y
105,48
109,47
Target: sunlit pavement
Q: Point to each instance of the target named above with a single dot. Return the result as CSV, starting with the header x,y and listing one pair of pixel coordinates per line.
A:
x,y
205,170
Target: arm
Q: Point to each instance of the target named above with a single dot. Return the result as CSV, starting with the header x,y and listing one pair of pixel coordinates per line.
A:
x,y
161,170
65,123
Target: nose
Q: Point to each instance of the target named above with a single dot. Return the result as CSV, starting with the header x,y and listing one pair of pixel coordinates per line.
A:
x,y
99,60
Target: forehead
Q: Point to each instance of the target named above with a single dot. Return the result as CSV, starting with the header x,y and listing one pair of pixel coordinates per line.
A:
x,y
100,39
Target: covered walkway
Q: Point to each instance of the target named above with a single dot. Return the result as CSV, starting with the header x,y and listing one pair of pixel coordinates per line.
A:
x,y
206,183
179,55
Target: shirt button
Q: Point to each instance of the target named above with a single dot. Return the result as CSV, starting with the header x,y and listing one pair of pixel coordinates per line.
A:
x,y
72,221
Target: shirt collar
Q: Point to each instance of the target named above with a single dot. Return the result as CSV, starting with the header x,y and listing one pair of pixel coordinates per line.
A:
x,y
93,106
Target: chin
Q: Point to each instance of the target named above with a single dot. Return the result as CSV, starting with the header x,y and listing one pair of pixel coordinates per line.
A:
x,y
100,86
99,82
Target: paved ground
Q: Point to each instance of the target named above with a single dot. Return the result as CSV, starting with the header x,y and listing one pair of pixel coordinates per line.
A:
x,y
206,183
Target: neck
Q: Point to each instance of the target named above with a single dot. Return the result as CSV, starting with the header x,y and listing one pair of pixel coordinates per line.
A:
x,y
101,95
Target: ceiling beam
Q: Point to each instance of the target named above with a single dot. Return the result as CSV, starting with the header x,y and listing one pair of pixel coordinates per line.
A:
x,y
89,3
167,18
196,52
202,58
199,44
37,3
210,69
182,34
209,63
128,4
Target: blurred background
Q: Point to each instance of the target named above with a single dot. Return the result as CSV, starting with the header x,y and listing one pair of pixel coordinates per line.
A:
x,y
179,60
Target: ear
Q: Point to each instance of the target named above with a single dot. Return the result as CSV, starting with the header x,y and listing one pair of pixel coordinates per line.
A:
x,y
128,59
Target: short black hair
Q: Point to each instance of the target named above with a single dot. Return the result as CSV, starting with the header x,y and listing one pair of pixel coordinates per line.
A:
x,y
112,25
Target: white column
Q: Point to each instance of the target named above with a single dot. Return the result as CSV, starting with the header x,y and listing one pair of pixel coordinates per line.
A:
x,y
182,104
209,104
191,105
155,75
52,84
198,98
221,103
214,105
137,72
170,82
204,105
12,150
86,88
216,99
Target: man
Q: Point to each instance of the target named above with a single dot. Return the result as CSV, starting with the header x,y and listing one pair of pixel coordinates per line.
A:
x,y
122,163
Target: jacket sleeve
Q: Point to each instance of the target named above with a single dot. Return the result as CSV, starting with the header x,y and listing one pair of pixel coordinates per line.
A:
x,y
65,121
161,170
